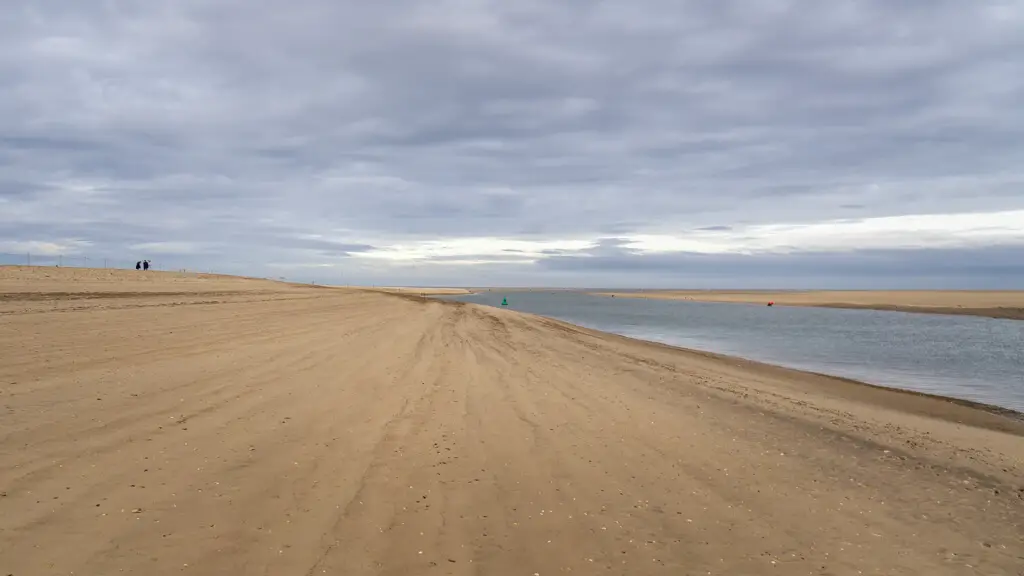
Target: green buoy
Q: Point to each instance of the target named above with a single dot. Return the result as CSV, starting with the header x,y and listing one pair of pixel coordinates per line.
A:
x,y
504,301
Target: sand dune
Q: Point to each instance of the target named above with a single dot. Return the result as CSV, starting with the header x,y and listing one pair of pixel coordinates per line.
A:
x,y
53,280
994,304
261,428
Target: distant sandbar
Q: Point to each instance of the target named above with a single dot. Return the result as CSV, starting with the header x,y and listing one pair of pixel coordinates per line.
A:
x,y
990,303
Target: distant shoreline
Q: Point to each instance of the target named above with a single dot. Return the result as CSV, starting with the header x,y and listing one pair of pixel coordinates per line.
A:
x,y
416,291
991,304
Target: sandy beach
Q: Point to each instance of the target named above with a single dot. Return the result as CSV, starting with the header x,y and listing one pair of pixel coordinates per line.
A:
x,y
159,423
993,304
425,291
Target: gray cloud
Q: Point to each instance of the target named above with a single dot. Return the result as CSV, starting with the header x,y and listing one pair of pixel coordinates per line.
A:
x,y
250,136
988,268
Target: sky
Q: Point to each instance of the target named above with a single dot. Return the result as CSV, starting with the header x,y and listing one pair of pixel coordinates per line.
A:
x,y
649,143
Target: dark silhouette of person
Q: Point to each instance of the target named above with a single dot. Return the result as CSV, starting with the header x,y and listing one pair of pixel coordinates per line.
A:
x,y
138,265
145,264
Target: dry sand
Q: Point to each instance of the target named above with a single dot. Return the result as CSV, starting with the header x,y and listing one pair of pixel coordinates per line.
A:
x,y
425,291
994,304
215,426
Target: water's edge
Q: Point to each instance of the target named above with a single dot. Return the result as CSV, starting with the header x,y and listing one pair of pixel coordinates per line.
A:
x,y
989,408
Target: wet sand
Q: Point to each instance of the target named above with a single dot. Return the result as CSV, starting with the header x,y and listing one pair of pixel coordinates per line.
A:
x,y
175,424
993,304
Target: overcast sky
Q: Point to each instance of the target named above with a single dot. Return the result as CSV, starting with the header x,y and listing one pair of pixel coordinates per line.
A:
x,y
753,143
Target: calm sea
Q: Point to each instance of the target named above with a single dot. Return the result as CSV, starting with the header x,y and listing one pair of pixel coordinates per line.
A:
x,y
979,359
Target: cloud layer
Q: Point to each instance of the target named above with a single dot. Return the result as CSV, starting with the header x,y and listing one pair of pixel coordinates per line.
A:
x,y
656,142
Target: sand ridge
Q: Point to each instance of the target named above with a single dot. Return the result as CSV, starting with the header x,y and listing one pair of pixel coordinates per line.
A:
x,y
262,429
990,303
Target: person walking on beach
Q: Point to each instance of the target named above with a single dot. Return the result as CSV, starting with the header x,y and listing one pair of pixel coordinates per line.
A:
x,y
145,264
138,265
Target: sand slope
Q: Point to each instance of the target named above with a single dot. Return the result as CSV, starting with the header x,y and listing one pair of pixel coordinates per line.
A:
x,y
994,304
314,431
